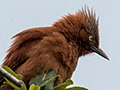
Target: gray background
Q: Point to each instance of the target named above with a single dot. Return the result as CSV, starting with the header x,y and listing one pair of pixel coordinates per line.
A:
x,y
93,71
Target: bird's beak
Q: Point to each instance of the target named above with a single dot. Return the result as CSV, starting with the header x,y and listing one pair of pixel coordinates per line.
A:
x,y
100,52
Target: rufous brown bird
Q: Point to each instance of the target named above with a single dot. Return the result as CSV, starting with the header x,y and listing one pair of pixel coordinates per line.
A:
x,y
58,47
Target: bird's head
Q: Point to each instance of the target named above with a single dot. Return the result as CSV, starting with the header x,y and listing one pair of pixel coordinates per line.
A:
x,y
89,33
82,29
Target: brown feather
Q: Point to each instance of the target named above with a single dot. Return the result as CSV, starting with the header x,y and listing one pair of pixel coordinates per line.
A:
x,y
38,50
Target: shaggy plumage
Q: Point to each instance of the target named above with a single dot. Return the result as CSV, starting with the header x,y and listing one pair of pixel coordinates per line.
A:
x,y
38,50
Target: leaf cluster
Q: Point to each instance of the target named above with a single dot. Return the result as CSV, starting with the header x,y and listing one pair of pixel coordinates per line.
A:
x,y
42,82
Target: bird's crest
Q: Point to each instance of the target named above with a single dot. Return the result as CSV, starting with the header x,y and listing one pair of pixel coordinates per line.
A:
x,y
91,19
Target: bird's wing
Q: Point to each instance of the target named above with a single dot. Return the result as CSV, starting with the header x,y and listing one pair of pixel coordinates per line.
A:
x,y
46,48
23,42
50,53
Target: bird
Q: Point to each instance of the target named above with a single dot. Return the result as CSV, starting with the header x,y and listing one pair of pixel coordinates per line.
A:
x,y
57,47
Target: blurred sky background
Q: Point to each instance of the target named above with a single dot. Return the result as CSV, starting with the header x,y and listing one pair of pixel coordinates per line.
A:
x,y
93,71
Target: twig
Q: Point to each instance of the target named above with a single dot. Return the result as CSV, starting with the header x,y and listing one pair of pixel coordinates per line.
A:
x,y
11,78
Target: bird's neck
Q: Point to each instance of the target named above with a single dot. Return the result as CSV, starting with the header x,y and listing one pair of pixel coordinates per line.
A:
x,y
69,27
73,56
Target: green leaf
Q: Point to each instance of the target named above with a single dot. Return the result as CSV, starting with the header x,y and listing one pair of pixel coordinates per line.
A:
x,y
49,83
63,85
33,87
14,86
9,70
76,88
46,81
18,76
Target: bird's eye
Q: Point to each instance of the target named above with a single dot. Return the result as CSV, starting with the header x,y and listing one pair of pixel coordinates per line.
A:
x,y
90,38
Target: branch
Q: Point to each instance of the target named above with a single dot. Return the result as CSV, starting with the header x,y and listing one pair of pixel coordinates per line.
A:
x,y
11,78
